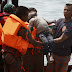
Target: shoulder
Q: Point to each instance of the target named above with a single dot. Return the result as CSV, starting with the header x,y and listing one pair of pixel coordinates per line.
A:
x,y
69,24
31,20
61,19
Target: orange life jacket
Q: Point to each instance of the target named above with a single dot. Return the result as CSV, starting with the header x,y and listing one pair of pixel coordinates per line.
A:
x,y
30,45
0,34
34,35
9,35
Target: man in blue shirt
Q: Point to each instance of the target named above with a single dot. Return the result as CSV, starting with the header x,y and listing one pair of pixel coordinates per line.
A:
x,y
62,33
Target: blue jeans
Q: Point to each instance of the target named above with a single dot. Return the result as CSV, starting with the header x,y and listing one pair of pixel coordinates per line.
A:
x,y
45,37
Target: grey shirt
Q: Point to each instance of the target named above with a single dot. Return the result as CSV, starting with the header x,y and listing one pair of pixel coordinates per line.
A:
x,y
39,23
63,48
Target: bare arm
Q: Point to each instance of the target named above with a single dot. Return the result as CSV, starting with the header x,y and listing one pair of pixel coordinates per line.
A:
x,y
53,33
61,38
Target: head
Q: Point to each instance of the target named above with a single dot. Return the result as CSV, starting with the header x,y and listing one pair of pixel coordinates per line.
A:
x,y
32,13
9,8
68,11
22,12
32,10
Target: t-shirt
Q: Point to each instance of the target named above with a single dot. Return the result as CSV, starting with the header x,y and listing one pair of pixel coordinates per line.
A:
x,y
39,23
63,48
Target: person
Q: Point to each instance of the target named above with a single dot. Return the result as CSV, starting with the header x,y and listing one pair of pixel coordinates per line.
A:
x,y
33,59
2,4
34,10
1,60
43,32
7,10
62,32
30,11
42,29
15,2
16,37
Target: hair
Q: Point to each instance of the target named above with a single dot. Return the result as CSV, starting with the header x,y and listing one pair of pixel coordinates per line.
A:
x,y
9,8
21,11
33,14
32,9
68,4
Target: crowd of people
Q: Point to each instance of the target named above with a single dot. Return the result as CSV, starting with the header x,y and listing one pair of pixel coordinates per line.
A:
x,y
25,38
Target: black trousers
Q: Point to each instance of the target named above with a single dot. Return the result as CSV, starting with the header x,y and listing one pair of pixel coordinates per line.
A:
x,y
0,1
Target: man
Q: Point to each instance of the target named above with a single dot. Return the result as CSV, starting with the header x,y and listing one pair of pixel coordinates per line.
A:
x,y
2,4
62,32
1,61
16,38
42,29
33,59
15,2
7,10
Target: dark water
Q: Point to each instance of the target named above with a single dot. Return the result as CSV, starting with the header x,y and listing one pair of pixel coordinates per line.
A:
x,y
49,9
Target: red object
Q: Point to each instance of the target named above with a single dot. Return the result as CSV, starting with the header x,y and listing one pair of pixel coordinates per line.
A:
x,y
23,68
3,17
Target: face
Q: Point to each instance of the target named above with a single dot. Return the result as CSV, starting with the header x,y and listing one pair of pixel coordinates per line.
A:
x,y
25,18
32,14
68,11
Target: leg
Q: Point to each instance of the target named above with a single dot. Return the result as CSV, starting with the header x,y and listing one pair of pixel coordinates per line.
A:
x,y
28,61
11,64
49,37
38,62
0,1
3,4
43,38
6,1
1,61
61,63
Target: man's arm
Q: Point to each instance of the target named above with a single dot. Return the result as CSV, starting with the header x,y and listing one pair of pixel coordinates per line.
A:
x,y
54,31
53,42
22,32
61,38
33,41
31,24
